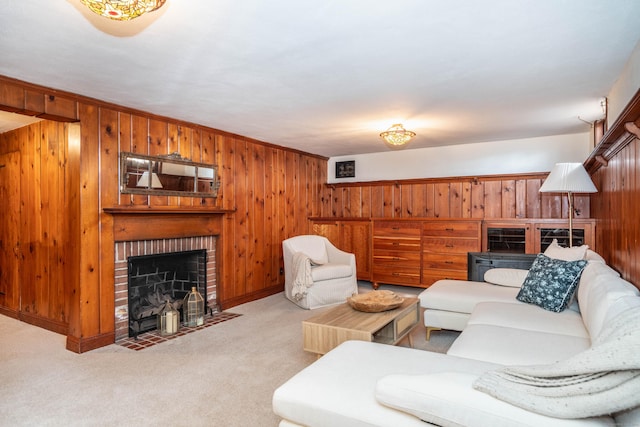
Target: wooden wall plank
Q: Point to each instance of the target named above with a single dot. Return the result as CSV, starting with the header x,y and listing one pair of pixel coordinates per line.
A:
x,y
281,186
466,199
455,200
406,204
271,242
257,272
355,202
477,199
48,179
90,291
139,144
378,201
521,198
388,201
242,220
158,140
441,202
32,230
508,198
112,131
10,254
534,198
493,199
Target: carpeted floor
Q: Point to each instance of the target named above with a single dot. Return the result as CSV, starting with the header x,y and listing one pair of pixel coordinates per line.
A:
x,y
223,375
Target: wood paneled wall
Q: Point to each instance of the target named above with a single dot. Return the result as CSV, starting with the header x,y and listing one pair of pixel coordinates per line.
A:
x,y
615,168
513,196
43,222
270,191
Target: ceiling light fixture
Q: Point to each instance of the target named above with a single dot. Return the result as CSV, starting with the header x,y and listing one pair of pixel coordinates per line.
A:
x,y
397,135
122,10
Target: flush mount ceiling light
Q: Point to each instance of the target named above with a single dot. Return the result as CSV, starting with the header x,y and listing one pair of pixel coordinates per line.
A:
x,y
122,10
397,135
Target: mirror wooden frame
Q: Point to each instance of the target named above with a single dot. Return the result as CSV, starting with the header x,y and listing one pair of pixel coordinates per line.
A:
x,y
171,175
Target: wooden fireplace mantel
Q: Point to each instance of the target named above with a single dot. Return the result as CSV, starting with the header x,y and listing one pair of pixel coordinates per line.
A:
x,y
148,223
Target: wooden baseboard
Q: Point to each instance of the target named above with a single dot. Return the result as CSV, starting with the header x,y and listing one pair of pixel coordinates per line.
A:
x,y
232,302
42,322
81,345
9,312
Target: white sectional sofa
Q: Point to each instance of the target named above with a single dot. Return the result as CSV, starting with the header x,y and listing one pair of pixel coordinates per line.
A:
x,y
369,384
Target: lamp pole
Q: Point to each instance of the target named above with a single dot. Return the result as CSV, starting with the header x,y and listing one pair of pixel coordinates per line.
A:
x,y
570,197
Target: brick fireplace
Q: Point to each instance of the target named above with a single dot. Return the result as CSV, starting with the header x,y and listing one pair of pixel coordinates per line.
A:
x,y
135,248
141,231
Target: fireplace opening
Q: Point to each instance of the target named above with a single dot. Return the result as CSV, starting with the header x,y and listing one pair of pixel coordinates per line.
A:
x,y
155,279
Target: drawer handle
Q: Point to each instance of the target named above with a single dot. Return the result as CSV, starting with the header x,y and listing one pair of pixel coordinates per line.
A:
x,y
448,246
448,229
395,228
448,262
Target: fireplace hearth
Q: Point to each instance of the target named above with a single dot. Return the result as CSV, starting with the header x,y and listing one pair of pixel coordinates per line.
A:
x,y
155,279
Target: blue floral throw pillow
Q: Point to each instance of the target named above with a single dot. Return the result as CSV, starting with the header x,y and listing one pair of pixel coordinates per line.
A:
x,y
551,283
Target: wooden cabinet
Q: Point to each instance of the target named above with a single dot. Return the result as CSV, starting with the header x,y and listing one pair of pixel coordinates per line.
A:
x,y
545,231
532,236
352,236
396,252
420,251
445,244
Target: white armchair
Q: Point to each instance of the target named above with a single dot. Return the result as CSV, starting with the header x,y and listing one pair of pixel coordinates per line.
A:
x,y
316,273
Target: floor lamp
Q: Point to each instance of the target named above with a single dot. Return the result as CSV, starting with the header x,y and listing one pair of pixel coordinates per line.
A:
x,y
568,178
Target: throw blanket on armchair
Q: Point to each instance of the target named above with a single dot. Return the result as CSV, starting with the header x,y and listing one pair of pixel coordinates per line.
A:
x,y
301,269
602,380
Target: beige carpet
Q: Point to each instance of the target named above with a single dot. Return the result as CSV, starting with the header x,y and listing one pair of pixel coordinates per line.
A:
x,y
223,375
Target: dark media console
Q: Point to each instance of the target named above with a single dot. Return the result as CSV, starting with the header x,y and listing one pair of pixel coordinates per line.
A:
x,y
479,262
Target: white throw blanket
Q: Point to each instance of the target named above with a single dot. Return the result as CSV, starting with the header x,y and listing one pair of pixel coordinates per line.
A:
x,y
602,380
301,266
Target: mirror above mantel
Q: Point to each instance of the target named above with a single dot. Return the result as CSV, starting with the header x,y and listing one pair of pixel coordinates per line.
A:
x,y
168,175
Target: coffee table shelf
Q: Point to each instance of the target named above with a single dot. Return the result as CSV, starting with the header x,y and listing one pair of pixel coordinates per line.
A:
x,y
327,330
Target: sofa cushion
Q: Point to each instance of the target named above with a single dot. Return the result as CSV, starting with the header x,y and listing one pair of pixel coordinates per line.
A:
x,y
462,296
513,346
330,271
448,399
513,277
550,283
529,318
575,253
339,388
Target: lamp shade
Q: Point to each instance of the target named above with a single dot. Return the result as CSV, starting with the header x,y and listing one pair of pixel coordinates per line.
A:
x,y
568,178
144,180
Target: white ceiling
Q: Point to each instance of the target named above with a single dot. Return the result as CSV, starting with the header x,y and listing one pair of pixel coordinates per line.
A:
x,y
327,77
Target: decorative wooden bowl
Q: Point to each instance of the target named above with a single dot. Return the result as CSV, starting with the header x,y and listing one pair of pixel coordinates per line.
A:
x,y
375,301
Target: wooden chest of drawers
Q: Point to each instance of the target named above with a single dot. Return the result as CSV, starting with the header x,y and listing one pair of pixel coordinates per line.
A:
x,y
396,252
445,244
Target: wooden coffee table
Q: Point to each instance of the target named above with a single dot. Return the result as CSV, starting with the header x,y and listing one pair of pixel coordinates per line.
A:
x,y
327,330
